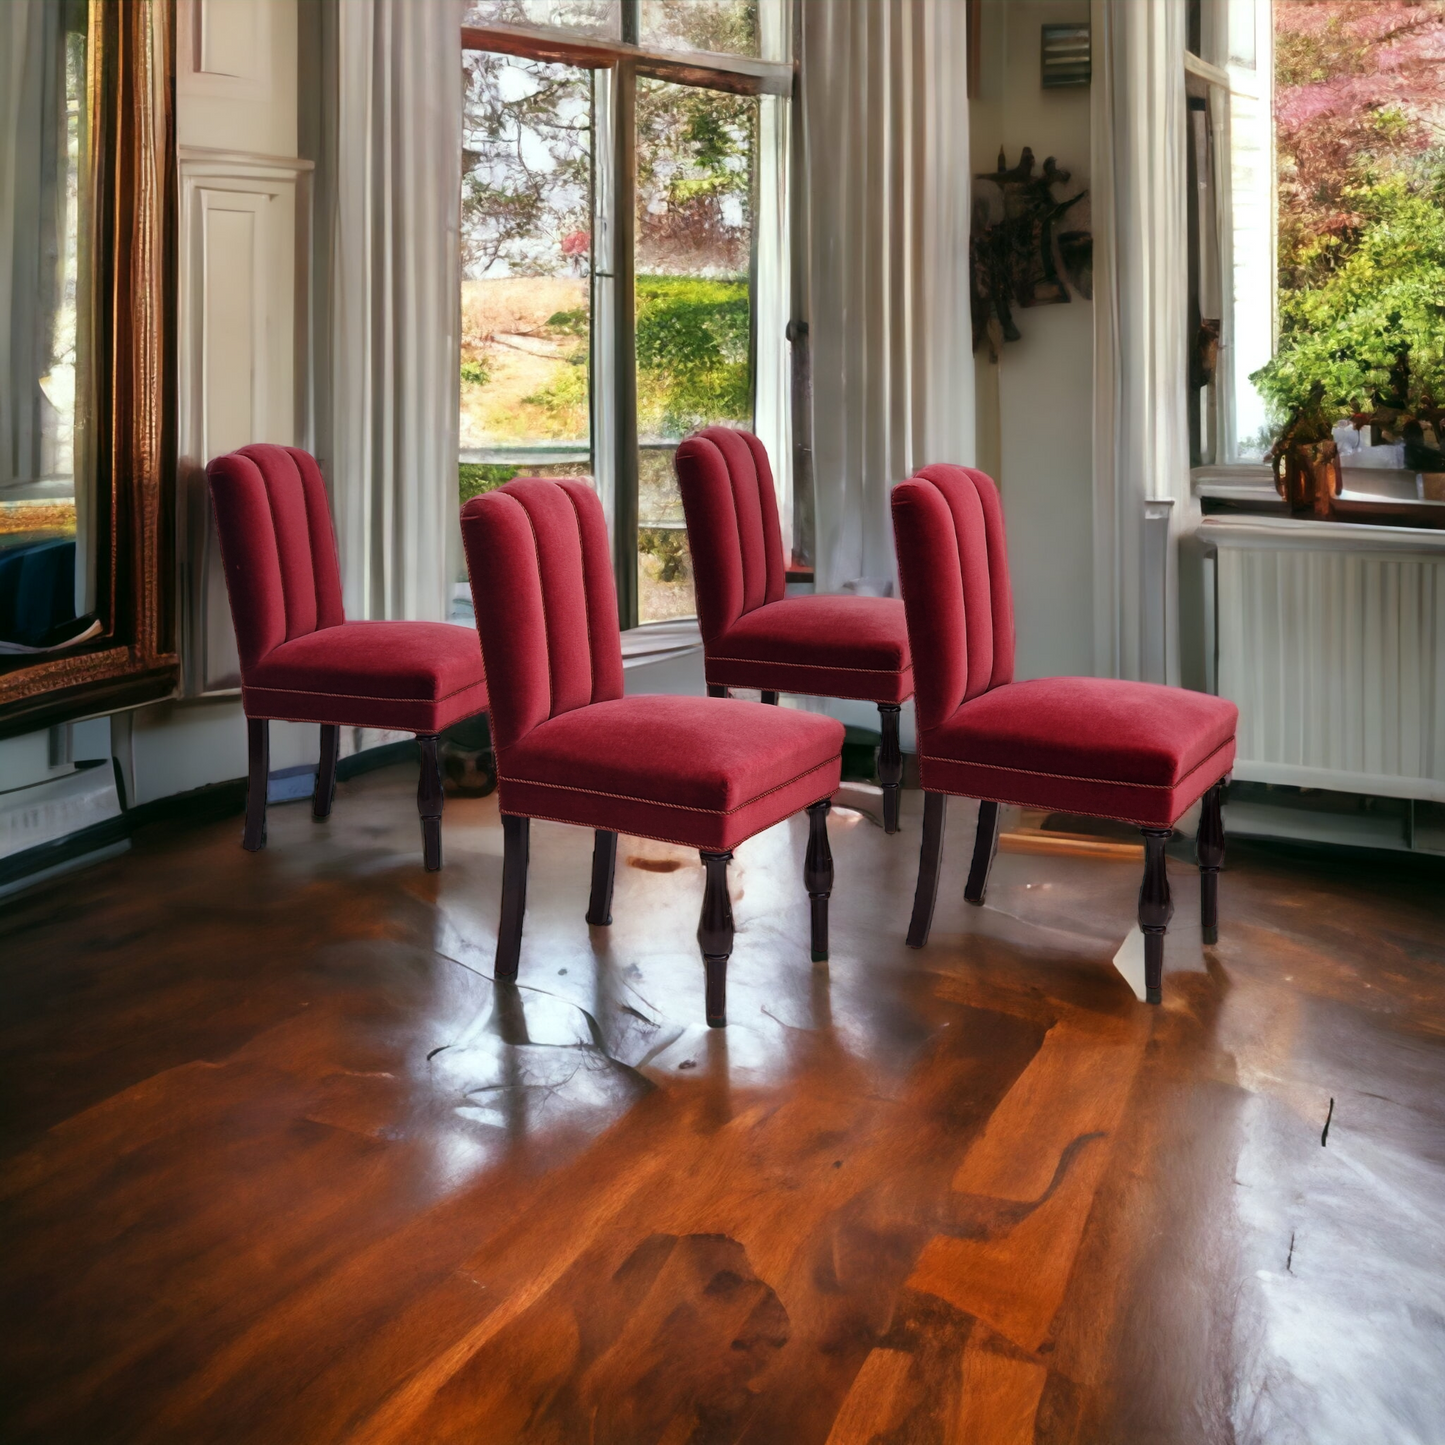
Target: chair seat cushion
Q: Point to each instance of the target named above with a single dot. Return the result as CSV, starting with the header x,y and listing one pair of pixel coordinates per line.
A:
x,y
824,646
1128,750
418,677
703,772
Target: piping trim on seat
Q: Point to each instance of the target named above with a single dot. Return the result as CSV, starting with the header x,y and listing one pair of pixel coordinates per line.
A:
x,y
657,803
1074,777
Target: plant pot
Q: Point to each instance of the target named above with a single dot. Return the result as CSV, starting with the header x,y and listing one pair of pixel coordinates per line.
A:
x,y
1309,476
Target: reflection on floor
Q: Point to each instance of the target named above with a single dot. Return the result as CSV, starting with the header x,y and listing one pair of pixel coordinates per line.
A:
x,y
282,1164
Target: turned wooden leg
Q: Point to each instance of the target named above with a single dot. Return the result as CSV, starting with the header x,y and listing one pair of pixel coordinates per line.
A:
x,y
1209,848
930,859
604,870
1156,908
516,833
715,936
985,845
325,791
716,689
258,745
818,876
890,765
771,698
429,801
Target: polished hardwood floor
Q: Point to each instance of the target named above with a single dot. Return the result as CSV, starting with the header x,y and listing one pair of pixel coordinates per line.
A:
x,y
283,1164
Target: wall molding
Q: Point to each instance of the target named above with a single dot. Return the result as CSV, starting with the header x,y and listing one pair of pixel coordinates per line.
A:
x,y
244,264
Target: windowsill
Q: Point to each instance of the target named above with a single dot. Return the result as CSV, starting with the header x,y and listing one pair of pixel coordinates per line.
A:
x,y
659,641
1243,529
1374,498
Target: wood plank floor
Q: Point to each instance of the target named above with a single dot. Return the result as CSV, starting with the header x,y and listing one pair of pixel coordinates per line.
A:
x,y
282,1164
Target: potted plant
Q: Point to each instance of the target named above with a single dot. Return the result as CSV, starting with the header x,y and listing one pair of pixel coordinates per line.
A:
x,y
1364,344
1306,458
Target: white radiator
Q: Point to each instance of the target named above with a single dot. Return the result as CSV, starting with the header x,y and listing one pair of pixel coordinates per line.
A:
x,y
1329,636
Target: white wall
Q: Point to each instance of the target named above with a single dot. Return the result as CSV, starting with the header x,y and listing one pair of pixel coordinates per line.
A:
x,y
1035,408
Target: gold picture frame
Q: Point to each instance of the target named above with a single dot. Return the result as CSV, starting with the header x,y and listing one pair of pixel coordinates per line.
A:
x,y
130,242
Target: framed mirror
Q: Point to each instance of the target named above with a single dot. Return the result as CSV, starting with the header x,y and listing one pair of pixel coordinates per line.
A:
x,y
87,237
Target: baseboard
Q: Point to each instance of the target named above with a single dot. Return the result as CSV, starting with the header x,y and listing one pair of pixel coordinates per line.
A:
x,y
369,760
209,804
46,857
72,864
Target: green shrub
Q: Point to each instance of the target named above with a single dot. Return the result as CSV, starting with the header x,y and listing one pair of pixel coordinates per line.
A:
x,y
693,353
475,372
474,478
1372,333
669,546
568,392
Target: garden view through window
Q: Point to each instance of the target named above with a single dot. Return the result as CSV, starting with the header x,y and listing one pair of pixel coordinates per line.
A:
x,y
526,270
1360,140
693,308
542,165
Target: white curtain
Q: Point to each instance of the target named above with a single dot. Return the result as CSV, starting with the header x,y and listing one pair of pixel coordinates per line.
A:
x,y
388,323
886,123
1141,428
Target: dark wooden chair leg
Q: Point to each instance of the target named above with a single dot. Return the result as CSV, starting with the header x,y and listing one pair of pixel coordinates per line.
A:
x,y
930,859
1156,908
324,793
771,698
985,845
604,870
516,838
716,689
715,936
258,745
1209,847
890,765
429,801
818,876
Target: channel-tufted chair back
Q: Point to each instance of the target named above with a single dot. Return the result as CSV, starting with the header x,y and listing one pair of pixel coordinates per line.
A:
x,y
732,525
277,546
541,571
953,569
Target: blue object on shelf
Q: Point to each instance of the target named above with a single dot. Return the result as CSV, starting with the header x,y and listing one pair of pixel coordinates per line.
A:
x,y
37,590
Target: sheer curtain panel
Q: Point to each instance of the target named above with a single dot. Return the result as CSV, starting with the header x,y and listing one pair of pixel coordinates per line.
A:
x,y
1141,301
885,110
388,319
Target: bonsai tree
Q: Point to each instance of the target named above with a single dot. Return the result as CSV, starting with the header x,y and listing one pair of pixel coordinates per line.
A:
x,y
1367,342
1359,98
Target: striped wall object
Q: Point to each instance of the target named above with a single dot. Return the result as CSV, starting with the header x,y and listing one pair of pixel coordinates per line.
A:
x,y
1064,58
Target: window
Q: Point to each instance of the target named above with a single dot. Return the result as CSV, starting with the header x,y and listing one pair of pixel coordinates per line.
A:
x,y
693,306
1316,145
1230,159
624,254
1358,126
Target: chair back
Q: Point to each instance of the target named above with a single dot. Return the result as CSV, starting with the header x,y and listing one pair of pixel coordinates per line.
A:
x,y
277,547
953,568
541,572
732,525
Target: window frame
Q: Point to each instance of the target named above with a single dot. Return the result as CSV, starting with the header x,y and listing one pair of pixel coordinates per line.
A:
x,y
1230,85
616,67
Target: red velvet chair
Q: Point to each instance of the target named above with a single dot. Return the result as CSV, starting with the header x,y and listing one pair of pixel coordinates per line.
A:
x,y
754,636
1127,750
571,749
302,661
